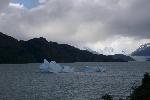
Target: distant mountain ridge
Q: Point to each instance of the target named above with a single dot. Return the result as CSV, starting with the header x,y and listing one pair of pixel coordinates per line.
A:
x,y
37,49
143,50
115,56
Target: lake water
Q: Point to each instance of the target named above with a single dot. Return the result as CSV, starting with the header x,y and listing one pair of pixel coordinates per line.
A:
x,y
25,82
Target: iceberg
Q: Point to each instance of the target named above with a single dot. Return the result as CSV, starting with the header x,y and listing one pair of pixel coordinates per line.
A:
x,y
92,69
45,66
67,69
53,67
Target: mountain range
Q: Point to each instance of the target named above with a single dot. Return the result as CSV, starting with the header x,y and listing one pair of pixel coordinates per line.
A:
x,y
37,49
143,50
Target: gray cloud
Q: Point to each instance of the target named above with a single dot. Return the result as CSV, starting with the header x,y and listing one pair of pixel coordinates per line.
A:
x,y
78,22
133,20
3,4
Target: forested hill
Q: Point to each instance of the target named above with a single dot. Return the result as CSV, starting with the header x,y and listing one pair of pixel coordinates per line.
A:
x,y
37,49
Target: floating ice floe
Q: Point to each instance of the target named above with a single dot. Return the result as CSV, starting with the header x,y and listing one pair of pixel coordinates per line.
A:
x,y
92,69
53,67
67,69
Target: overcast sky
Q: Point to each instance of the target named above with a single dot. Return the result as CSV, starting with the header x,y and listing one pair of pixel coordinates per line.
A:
x,y
96,24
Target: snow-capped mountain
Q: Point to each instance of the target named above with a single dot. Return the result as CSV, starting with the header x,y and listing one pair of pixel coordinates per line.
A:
x,y
143,47
111,52
106,51
143,50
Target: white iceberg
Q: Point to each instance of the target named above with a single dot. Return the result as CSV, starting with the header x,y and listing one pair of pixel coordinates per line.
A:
x,y
45,66
53,67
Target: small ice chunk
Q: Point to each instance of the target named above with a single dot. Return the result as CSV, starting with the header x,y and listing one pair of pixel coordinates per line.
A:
x,y
87,69
92,69
102,69
67,69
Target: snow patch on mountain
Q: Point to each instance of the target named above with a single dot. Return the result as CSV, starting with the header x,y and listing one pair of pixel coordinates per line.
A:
x,y
106,51
143,47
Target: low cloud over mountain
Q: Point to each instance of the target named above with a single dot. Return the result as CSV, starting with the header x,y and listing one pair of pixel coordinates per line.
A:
x,y
119,24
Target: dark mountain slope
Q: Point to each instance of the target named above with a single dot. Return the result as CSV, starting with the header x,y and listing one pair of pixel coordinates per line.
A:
x,y
12,52
37,49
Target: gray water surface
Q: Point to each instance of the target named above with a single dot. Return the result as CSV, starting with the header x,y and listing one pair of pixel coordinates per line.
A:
x,y
25,82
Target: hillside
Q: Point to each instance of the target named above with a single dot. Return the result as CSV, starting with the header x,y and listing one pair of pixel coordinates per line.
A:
x,y
37,49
